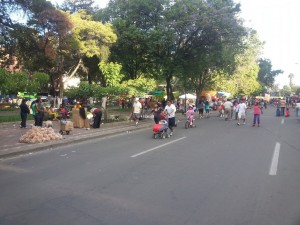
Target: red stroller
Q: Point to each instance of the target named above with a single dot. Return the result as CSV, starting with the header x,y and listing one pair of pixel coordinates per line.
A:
x,y
161,130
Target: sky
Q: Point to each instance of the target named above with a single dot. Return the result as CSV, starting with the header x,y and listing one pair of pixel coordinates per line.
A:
x,y
276,22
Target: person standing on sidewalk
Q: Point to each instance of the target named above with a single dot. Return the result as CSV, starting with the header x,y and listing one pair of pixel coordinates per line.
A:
x,y
242,107
170,110
34,110
24,111
227,107
40,115
97,114
256,114
136,111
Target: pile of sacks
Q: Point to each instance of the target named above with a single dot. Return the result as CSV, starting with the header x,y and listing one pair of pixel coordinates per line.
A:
x,y
38,135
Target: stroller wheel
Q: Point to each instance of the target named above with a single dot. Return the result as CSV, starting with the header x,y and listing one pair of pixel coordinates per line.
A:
x,y
187,124
154,136
163,136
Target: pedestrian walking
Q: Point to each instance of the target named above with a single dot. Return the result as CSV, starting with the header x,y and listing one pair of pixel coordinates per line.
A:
x,y
207,109
201,108
136,111
170,110
298,108
287,112
242,107
227,109
24,111
156,113
256,114
282,106
235,109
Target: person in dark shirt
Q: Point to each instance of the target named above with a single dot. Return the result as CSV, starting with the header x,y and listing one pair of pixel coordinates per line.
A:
x,y
97,114
24,111
40,113
156,112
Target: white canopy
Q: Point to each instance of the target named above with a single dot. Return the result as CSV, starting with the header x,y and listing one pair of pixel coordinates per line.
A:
x,y
187,96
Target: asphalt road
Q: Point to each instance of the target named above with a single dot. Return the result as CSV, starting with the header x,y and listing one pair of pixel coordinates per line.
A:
x,y
215,174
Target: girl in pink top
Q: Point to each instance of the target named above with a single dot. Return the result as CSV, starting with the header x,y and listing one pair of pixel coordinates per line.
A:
x,y
190,114
256,112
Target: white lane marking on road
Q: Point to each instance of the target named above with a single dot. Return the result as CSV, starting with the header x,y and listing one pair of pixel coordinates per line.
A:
x,y
282,121
152,149
274,163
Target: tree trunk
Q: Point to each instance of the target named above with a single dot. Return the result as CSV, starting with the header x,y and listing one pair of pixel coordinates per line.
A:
x,y
104,101
169,88
61,86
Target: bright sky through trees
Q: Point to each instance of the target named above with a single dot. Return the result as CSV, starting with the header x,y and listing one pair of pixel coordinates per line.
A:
x,y
277,23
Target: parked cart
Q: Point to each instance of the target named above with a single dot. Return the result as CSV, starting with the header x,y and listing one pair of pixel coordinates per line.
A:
x,y
65,126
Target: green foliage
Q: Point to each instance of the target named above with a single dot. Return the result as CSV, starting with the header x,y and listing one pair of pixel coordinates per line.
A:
x,y
186,39
139,86
111,73
38,82
286,90
18,82
86,90
4,81
22,81
243,81
296,90
91,38
266,75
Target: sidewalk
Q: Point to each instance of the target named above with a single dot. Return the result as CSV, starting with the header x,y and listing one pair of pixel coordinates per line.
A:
x,y
10,134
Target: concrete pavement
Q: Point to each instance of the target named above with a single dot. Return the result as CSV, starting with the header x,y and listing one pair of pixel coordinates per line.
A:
x,y
10,134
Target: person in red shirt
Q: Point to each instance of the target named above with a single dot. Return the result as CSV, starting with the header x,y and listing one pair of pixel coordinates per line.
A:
x,y
256,114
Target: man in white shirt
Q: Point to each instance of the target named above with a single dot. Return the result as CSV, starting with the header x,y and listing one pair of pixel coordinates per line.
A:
x,y
242,107
170,109
227,109
136,111
297,108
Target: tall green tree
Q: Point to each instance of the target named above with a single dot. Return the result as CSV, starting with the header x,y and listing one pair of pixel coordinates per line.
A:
x,y
73,6
266,75
166,39
244,79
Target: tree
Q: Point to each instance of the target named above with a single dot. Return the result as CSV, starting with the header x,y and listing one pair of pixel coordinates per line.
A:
x,y
243,80
4,81
12,31
162,39
286,90
296,90
266,75
111,73
73,6
291,77
22,81
92,41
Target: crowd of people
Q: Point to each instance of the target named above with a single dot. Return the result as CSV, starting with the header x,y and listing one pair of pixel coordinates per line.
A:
x,y
230,109
227,108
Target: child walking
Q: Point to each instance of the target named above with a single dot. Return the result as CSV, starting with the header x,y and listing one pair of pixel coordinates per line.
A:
x,y
256,114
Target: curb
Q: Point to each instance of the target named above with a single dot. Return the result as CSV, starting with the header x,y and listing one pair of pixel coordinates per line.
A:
x,y
29,148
